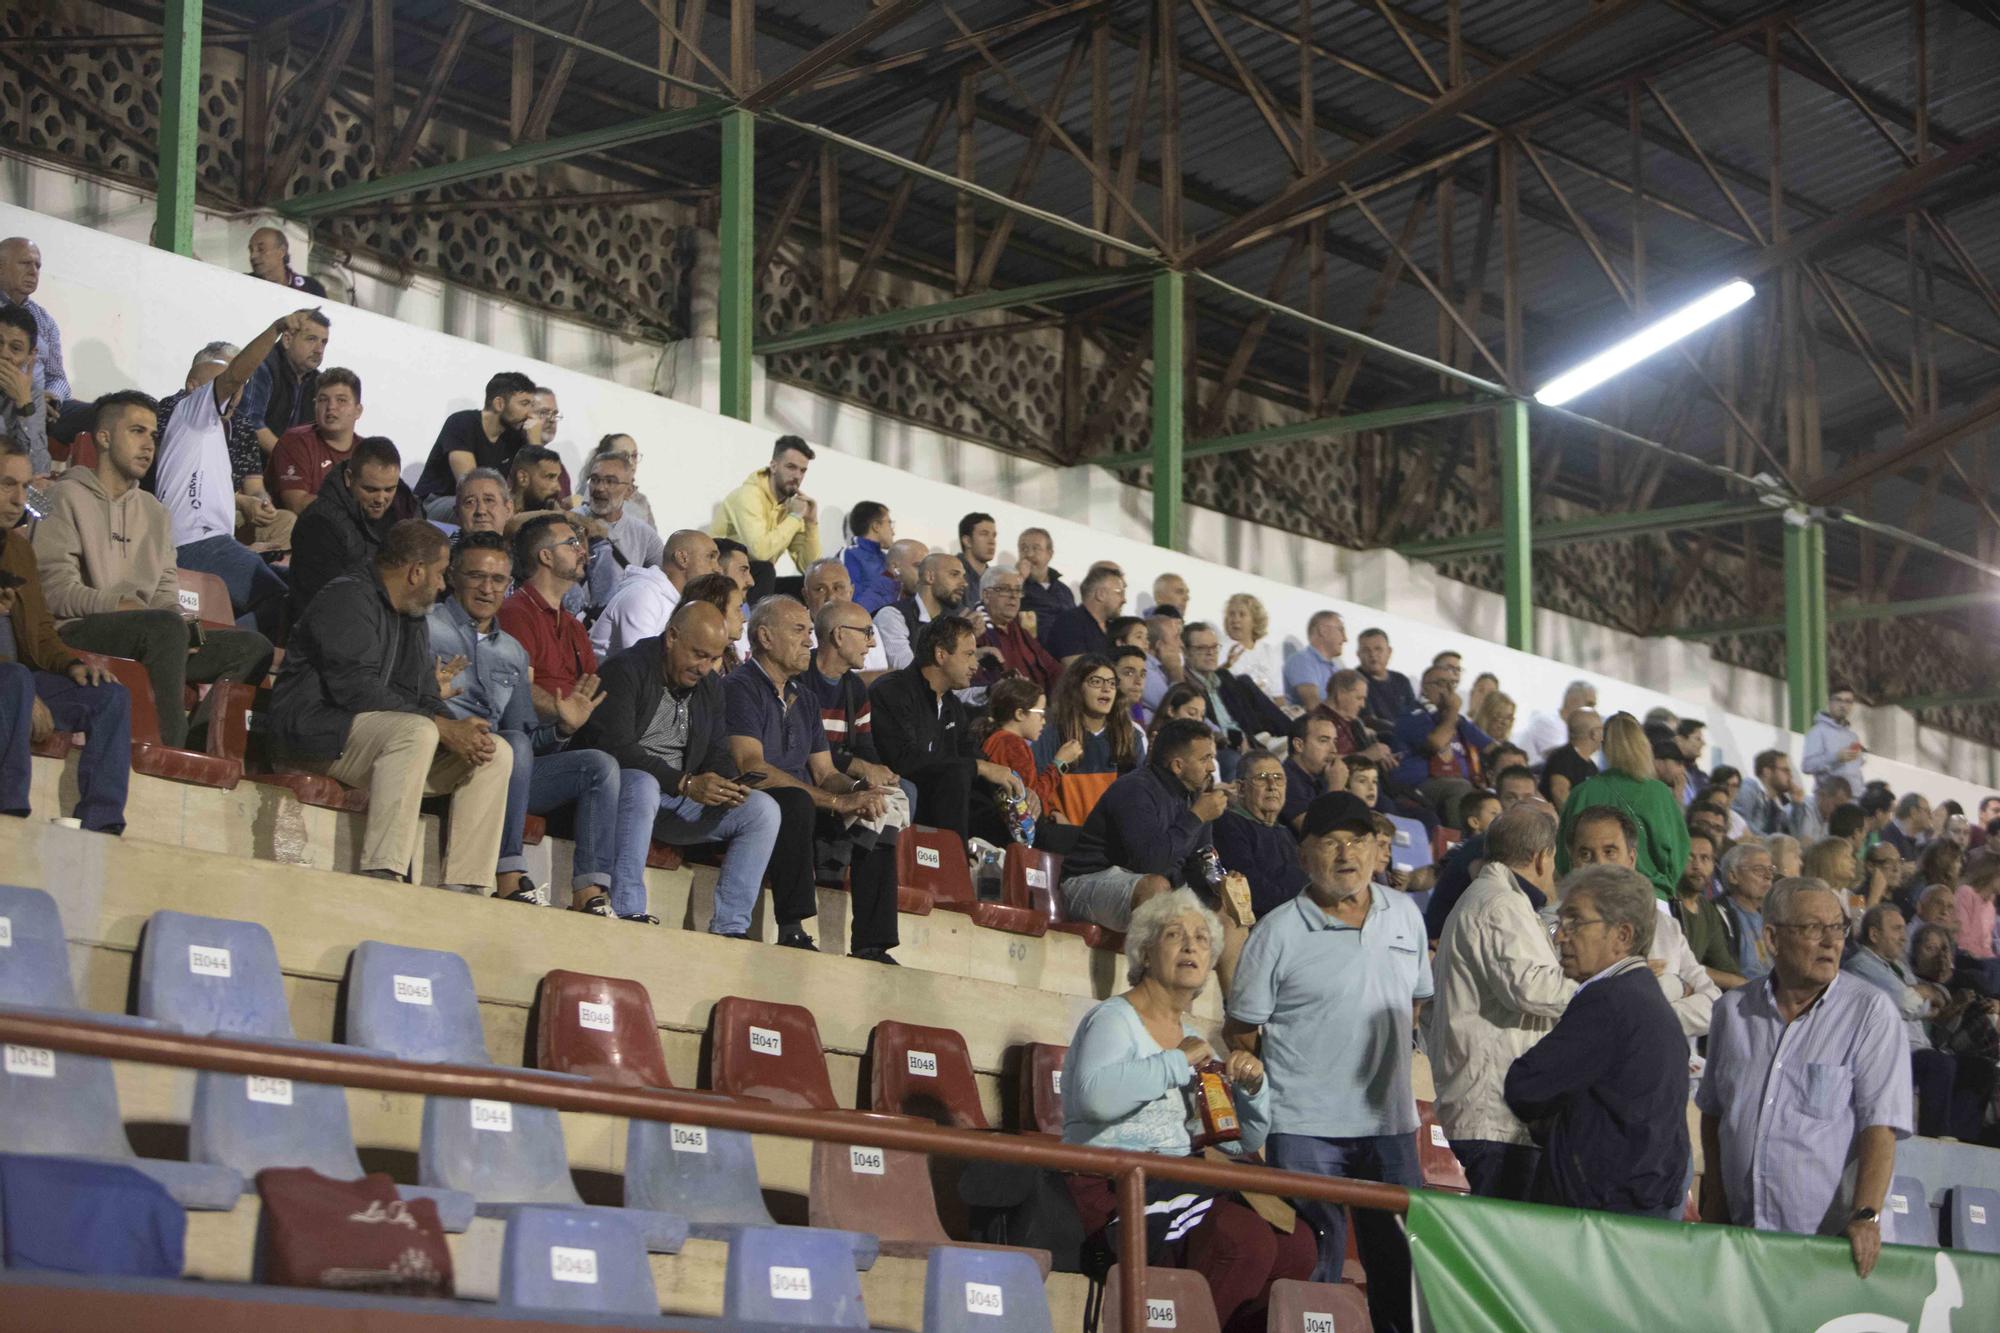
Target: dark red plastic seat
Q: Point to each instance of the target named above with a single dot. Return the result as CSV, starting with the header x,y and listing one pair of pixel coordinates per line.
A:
x,y
660,856
1176,1298
923,1071
600,1027
229,726
1297,1306
1434,1154
770,1052
209,598
151,755
933,860
1035,877
1041,1109
533,829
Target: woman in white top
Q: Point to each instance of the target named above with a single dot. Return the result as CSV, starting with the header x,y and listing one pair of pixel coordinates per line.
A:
x,y
1253,653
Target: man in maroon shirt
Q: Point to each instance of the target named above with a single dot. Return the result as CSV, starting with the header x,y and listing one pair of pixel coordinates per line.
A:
x,y
558,649
306,453
1021,653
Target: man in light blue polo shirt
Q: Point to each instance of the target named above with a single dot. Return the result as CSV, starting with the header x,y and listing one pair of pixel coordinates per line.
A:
x,y
1325,993
1308,670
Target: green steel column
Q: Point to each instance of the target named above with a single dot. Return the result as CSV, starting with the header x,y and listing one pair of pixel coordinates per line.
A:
x,y
1169,405
1805,618
736,318
1816,604
180,88
1517,536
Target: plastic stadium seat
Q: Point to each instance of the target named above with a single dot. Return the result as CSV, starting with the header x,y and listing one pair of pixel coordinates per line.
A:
x,y
924,1072
601,1028
1441,1168
566,1259
34,965
792,1276
55,1104
984,1291
1037,876
1041,1088
1972,1219
208,597
1317,1307
229,734
151,755
1411,848
248,1124
414,1004
933,860
1176,1298
1906,1214
507,1154
208,975
660,856
770,1052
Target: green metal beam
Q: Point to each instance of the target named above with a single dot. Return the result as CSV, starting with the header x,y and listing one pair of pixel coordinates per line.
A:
x,y
1517,548
1805,618
889,321
1169,406
736,310
507,159
1850,613
1323,427
180,132
1595,527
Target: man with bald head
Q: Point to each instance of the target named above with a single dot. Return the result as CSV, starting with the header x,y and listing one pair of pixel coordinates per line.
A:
x,y
20,277
939,590
664,719
644,599
271,260
827,581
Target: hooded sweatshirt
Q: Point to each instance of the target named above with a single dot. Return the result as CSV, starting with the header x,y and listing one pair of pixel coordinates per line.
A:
x,y
95,551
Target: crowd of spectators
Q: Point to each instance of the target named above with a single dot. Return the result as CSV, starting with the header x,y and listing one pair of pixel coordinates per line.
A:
x,y
1609,920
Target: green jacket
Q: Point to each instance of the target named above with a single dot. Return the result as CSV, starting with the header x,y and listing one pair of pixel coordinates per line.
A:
x,y
1663,837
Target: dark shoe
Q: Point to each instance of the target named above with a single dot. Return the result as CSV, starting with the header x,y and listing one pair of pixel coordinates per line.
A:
x,y
643,918
730,934
795,937
874,955
529,893
600,905
384,874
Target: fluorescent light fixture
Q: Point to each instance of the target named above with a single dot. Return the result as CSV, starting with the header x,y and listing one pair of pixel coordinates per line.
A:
x,y
1621,357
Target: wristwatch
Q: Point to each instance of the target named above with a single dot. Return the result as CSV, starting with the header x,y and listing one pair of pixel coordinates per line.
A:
x,y
1863,1215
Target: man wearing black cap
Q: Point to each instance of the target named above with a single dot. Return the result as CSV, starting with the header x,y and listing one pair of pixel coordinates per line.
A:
x,y
1325,993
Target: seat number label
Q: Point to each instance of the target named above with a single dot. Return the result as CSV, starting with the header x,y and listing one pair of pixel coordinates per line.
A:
x,y
596,1017
496,1116
270,1091
31,1061
865,1161
413,990
190,601
1438,1140
207,961
1898,1204
689,1138
791,1284
766,1041
570,1264
923,1064
1055,1081
1318,1323
927,857
1038,879
1976,1213
1161,1314
982,1298
6,932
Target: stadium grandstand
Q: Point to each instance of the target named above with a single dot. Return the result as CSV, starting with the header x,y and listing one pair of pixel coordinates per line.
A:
x,y
999,666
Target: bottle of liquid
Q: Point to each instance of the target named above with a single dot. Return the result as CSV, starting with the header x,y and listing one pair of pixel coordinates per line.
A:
x,y
1211,1110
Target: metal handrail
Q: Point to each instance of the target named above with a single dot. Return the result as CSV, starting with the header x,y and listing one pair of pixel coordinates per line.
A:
x,y
1129,1170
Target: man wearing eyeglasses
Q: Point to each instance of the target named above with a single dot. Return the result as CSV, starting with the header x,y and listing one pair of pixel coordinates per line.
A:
x,y
844,636
1021,653
1807,1087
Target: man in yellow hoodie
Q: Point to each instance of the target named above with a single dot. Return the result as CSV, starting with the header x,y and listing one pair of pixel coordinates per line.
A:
x,y
770,515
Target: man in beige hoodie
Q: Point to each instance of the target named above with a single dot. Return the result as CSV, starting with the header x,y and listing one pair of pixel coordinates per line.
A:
x,y
107,559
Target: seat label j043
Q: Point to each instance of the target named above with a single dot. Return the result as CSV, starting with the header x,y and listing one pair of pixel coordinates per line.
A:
x,y
567,1263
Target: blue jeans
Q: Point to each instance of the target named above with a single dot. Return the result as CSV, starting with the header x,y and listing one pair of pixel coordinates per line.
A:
x,y
102,712
748,831
546,783
1385,1252
257,593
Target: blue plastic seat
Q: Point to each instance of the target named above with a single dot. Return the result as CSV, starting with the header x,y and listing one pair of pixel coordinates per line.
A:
x,y
1906,1213
55,1104
207,975
1972,1219
1411,848
34,955
415,1004
984,1291
508,1154
575,1260
248,1124
792,1275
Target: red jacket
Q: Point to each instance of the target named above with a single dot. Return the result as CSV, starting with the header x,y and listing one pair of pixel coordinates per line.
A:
x,y
1004,747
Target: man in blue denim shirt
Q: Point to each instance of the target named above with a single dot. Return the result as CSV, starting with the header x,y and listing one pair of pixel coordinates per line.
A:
x,y
492,682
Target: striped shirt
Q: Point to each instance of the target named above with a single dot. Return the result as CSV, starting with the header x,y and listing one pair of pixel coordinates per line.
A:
x,y
844,714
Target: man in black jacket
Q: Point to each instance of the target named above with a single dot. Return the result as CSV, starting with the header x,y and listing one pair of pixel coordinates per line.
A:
x,y
665,721
923,731
357,700
1605,1092
1149,832
342,530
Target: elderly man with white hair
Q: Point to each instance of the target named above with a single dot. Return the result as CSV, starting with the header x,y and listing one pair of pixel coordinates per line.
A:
x,y
20,279
1546,731
1807,1087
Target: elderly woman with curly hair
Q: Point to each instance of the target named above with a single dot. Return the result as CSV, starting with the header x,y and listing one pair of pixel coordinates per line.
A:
x,y
1253,652
1125,1082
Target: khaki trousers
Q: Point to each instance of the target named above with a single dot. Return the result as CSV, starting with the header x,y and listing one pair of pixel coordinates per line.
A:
x,y
396,757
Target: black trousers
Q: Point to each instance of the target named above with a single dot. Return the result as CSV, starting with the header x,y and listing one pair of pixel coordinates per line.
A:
x,y
159,640
871,882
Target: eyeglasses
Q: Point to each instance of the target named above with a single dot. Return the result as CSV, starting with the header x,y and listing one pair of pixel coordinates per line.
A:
x,y
1829,932
1267,779
1002,590
1037,712
1100,682
865,630
571,540
1569,925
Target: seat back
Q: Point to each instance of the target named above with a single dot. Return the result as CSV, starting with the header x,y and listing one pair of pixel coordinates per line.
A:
x,y
570,1259
34,953
209,975
1410,849
600,1027
923,1071
1028,878
1906,1213
145,709
770,1052
1176,1299
984,1291
207,596
1077,794
881,1190
792,1276
498,1152
55,1103
1442,1170
1041,1087
1972,1219
249,1123
1317,1307
707,1175
933,859
415,1004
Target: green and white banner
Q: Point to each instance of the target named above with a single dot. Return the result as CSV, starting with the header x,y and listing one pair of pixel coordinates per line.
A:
x,y
1489,1267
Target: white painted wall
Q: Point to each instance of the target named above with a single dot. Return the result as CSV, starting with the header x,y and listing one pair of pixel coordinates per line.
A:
x,y
132,316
